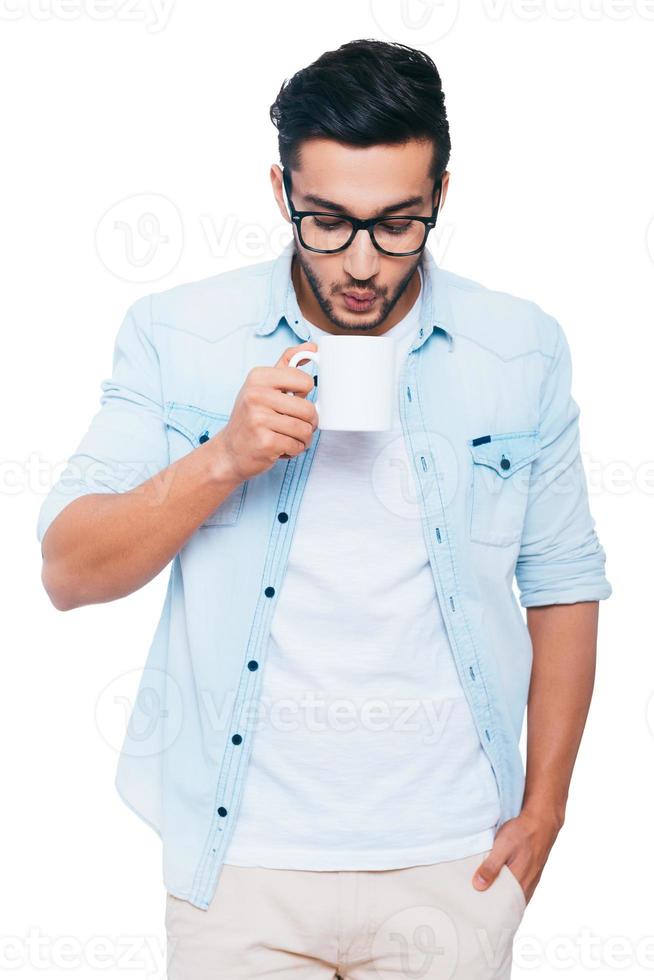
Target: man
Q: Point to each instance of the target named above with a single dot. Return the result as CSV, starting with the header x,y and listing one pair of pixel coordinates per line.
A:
x,y
340,622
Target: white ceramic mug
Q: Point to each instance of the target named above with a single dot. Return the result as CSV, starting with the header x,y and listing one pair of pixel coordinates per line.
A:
x,y
356,381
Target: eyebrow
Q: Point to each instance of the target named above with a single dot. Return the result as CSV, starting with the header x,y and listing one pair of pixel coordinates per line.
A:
x,y
322,202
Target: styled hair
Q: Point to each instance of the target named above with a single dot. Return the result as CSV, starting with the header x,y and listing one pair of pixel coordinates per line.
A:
x,y
365,92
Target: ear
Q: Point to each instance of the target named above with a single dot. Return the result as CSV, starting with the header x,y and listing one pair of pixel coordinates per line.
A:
x,y
276,182
444,186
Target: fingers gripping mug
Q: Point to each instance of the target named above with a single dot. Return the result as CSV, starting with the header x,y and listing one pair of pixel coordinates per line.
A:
x,y
356,382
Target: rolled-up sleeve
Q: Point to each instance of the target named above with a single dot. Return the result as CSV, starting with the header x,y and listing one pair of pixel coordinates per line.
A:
x,y
125,443
561,559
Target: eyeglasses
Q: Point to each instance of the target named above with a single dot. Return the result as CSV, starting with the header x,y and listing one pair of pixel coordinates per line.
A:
x,y
397,234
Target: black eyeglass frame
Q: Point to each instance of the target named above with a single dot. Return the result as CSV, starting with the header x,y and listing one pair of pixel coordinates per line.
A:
x,y
366,224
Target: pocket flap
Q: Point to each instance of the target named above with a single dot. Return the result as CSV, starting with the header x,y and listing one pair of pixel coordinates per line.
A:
x,y
505,452
197,424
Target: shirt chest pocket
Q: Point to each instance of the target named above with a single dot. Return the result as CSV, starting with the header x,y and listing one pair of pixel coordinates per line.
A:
x,y
501,470
189,426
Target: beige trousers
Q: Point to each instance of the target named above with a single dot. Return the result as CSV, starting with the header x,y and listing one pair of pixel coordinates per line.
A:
x,y
426,922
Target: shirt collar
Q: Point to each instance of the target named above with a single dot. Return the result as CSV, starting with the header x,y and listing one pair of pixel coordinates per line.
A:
x,y
283,306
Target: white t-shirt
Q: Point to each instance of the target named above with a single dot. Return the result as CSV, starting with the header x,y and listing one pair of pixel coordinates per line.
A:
x,y
364,754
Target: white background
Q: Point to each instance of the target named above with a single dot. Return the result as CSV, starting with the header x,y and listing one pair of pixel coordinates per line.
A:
x,y
551,198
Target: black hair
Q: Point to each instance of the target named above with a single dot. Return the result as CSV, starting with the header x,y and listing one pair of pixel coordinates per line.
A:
x,y
365,92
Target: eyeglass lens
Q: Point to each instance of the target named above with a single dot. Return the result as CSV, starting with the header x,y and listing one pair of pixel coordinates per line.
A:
x,y
393,234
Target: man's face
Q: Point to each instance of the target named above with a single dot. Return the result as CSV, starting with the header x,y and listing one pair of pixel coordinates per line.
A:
x,y
363,183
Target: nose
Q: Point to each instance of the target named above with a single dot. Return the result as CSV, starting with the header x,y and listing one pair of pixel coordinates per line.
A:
x,y
361,258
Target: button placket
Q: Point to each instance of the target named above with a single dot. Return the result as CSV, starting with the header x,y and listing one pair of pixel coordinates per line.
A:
x,y
231,775
442,561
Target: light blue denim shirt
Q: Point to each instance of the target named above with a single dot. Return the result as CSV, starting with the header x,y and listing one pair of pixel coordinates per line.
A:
x,y
491,428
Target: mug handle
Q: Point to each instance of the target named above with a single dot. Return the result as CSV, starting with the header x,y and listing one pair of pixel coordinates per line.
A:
x,y
304,355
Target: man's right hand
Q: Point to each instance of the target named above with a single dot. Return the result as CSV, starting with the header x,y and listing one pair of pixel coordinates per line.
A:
x,y
266,423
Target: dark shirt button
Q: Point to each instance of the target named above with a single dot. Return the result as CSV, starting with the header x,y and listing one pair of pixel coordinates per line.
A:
x,y
204,437
282,518
505,463
236,739
253,665
222,812
269,592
